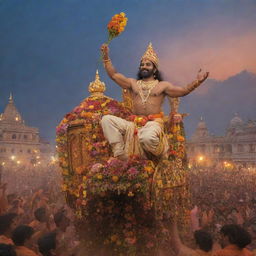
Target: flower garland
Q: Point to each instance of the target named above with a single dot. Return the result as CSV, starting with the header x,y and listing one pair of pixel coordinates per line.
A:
x,y
116,201
88,114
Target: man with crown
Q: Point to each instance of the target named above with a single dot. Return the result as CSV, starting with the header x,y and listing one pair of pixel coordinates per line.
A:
x,y
147,95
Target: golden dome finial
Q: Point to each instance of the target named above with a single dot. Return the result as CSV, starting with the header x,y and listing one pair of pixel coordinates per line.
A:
x,y
10,98
97,87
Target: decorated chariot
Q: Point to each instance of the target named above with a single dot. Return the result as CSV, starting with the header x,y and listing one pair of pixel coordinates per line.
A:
x,y
120,206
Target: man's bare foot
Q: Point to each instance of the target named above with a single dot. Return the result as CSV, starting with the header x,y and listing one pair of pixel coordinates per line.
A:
x,y
122,157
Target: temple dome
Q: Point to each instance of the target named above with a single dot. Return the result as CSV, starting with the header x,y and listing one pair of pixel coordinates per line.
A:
x,y
201,124
201,130
236,121
11,114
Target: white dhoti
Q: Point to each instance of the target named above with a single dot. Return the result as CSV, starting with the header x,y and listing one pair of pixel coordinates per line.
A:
x,y
126,138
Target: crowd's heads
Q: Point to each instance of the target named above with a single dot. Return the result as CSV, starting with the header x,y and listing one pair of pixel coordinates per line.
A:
x,y
16,203
234,234
22,234
7,250
252,224
40,214
61,220
11,197
203,240
47,243
7,222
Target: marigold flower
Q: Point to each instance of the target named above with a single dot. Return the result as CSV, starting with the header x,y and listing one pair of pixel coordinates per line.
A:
x,y
115,178
148,169
99,176
160,183
114,238
65,172
79,169
130,194
116,26
180,138
64,187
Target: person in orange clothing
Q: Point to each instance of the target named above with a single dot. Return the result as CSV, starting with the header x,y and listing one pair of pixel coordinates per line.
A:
x,y
7,224
21,236
234,239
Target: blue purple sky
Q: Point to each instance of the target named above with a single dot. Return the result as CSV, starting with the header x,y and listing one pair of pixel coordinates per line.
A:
x,y
49,51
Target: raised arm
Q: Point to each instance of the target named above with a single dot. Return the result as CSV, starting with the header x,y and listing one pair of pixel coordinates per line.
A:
x,y
175,238
177,91
179,248
120,79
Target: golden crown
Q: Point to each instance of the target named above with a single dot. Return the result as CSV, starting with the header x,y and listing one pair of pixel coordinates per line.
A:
x,y
97,87
151,55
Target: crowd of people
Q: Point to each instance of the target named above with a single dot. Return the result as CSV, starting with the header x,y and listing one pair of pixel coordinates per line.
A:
x,y
222,196
34,218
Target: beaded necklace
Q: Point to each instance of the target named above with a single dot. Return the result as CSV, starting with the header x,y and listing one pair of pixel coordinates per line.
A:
x,y
145,88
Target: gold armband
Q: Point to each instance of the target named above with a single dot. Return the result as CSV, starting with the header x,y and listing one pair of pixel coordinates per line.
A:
x,y
193,85
106,61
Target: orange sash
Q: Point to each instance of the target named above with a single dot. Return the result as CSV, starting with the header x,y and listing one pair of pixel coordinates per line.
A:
x,y
140,120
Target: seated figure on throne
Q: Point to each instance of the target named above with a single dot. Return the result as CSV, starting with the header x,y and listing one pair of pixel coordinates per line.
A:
x,y
143,134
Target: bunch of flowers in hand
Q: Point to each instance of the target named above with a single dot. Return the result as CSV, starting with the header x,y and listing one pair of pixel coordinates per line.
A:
x,y
116,26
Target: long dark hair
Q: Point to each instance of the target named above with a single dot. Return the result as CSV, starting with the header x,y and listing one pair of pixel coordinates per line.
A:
x,y
157,75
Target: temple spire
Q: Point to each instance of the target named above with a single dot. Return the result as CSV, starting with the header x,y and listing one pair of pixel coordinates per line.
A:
x,y
97,87
10,98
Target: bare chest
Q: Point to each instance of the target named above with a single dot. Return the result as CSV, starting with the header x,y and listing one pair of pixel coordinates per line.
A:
x,y
147,100
149,91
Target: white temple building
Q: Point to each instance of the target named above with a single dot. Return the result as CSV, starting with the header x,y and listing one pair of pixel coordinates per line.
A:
x,y
238,145
19,143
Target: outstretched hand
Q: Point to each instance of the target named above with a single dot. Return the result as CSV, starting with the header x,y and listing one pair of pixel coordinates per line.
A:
x,y
201,76
105,50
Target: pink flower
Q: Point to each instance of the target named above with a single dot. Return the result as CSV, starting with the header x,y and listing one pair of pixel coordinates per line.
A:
x,y
77,110
114,163
96,167
130,240
61,129
132,171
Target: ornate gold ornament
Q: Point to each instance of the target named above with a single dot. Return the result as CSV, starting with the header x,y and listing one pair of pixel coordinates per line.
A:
x,y
145,88
151,55
97,87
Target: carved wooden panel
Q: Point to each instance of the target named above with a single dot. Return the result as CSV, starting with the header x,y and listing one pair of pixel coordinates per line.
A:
x,y
77,152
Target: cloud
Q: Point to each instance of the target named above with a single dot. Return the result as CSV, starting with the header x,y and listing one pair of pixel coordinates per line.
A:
x,y
223,54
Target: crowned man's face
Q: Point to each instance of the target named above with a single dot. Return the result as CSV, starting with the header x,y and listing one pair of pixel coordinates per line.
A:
x,y
146,69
